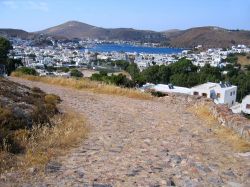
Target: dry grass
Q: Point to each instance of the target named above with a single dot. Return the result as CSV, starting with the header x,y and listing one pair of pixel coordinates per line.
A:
x,y
243,60
225,134
43,143
87,84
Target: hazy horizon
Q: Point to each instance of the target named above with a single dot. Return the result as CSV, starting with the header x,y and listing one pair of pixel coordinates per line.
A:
x,y
157,15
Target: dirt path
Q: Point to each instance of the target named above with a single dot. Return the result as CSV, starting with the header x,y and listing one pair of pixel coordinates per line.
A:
x,y
142,143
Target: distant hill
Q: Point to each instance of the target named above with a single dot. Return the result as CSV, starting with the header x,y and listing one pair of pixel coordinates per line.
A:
x,y
75,29
209,37
16,33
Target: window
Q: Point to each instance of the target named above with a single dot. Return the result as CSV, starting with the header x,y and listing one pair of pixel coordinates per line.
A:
x,y
218,95
247,106
204,94
231,93
196,93
232,102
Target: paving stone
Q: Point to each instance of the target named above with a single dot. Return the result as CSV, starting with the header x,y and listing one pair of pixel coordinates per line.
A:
x,y
134,142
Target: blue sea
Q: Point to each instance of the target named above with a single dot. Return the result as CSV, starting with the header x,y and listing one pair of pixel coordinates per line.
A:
x,y
132,49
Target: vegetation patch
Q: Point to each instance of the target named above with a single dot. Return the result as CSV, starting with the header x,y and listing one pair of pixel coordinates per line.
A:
x,y
26,71
225,134
87,84
32,131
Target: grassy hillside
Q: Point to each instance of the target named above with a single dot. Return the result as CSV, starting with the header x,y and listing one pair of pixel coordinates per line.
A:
x,y
87,84
32,130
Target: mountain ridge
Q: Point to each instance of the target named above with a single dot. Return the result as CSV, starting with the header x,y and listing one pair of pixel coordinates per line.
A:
x,y
207,36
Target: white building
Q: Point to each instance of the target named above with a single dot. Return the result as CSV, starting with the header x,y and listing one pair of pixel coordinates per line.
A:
x,y
245,105
171,89
221,93
164,88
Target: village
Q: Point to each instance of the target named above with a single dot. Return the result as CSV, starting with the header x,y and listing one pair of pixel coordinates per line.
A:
x,y
77,55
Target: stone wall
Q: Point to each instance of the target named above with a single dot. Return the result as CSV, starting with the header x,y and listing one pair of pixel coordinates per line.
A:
x,y
227,118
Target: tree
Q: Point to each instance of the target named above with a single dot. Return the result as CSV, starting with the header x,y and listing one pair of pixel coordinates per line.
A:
x,y
183,66
76,73
164,74
208,73
179,79
151,74
12,64
133,70
120,63
185,80
5,47
243,82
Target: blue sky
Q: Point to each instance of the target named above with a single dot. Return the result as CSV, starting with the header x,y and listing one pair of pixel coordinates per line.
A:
x,y
159,15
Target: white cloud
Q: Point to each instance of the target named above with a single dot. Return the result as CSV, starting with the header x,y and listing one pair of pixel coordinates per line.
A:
x,y
27,5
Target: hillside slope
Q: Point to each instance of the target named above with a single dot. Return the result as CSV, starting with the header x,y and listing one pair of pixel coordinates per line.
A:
x,y
209,37
134,142
75,29
16,33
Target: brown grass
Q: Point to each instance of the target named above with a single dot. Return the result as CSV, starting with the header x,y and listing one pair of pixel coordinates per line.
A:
x,y
243,60
43,143
87,84
223,133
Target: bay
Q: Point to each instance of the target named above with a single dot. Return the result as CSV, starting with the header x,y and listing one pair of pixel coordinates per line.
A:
x,y
134,49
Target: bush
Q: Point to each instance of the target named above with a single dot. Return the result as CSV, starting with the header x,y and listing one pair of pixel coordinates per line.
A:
x,y
76,73
64,69
27,108
27,71
118,80
158,94
52,99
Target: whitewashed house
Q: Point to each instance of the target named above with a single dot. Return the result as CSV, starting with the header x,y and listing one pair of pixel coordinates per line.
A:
x,y
245,105
221,93
171,89
166,88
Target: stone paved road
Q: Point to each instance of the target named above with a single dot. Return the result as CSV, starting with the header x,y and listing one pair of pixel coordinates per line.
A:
x,y
142,143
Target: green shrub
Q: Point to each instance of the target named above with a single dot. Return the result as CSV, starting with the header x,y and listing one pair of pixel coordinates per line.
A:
x,y
158,94
76,73
27,71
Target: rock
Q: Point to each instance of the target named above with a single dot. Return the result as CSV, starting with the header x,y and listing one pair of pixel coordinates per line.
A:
x,y
52,167
135,171
176,159
191,183
32,170
215,181
170,182
156,169
229,173
102,185
200,167
80,174
235,184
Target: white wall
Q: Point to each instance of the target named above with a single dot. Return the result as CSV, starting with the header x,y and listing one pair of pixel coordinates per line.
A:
x,y
228,96
243,105
225,94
